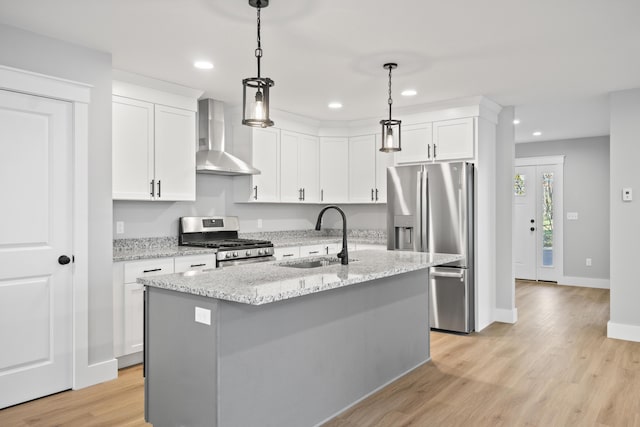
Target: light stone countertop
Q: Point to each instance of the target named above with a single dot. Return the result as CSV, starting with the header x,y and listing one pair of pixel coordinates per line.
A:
x,y
165,252
267,282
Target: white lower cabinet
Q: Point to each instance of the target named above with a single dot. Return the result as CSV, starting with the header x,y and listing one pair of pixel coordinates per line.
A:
x,y
128,296
290,252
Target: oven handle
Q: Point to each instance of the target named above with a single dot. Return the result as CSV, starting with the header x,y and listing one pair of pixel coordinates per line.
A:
x,y
245,261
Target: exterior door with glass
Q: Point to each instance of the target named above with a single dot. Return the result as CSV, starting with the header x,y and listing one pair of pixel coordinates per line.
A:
x,y
537,221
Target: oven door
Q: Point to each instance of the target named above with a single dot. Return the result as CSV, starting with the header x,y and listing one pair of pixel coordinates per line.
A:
x,y
231,262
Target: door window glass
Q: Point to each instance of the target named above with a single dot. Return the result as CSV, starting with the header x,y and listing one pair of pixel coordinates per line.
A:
x,y
519,188
547,219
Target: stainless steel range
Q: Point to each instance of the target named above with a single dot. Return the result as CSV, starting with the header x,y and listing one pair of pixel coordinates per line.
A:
x,y
221,233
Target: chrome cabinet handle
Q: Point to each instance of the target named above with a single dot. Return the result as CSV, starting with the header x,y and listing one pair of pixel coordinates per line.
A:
x,y
303,195
255,193
197,265
434,151
286,255
300,194
153,187
372,194
314,252
159,190
152,270
376,194
428,151
322,195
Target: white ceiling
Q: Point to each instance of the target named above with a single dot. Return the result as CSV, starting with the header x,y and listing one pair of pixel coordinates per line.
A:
x,y
554,60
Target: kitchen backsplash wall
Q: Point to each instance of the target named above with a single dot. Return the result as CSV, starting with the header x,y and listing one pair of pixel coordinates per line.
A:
x,y
214,196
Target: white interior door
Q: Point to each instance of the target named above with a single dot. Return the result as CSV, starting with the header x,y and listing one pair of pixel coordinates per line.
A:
x,y
524,224
538,225
35,230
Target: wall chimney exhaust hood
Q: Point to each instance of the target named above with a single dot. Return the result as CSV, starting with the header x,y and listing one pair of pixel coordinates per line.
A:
x,y
211,157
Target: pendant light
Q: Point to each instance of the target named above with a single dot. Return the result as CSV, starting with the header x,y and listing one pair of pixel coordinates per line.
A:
x,y
390,127
255,110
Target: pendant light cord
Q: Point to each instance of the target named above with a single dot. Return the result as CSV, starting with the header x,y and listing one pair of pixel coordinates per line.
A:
x,y
390,100
259,49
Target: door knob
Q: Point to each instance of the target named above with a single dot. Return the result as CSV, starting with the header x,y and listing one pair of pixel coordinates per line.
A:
x,y
64,260
532,221
532,229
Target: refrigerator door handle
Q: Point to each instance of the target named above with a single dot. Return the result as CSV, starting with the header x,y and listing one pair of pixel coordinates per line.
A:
x,y
424,210
448,274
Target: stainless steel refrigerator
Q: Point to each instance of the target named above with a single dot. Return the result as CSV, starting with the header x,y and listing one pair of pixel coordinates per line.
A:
x,y
430,209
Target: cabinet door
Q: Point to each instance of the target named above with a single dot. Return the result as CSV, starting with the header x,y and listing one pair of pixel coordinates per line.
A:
x,y
416,141
175,153
290,187
362,168
265,155
334,169
383,161
133,317
132,152
453,139
309,168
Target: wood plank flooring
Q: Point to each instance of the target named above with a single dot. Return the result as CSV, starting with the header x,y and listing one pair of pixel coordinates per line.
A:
x,y
555,367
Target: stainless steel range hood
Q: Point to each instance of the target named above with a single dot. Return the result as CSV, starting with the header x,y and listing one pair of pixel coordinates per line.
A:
x,y
211,157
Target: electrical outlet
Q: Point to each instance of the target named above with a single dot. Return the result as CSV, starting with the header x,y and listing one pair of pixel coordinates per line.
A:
x,y
203,316
259,223
627,194
588,262
119,227
572,215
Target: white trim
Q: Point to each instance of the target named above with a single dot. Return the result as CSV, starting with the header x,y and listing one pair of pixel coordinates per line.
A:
x,y
622,331
505,315
585,282
41,85
84,374
537,161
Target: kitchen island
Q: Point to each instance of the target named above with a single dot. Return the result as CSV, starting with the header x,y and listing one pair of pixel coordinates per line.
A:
x,y
270,344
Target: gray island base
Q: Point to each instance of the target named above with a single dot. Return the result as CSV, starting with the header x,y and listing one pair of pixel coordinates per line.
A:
x,y
297,361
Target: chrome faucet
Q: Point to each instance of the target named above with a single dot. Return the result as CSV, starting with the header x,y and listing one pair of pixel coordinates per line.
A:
x,y
343,255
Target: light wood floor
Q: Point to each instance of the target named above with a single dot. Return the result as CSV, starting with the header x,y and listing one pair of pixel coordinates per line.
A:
x,y
555,367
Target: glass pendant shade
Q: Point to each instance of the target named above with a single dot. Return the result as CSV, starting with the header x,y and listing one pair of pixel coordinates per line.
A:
x,y
255,102
391,140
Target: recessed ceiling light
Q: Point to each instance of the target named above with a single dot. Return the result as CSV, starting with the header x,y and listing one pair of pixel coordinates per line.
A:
x,y
537,133
516,121
335,105
203,65
409,92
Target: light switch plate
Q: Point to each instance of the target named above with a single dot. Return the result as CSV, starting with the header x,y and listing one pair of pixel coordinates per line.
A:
x,y
119,227
203,316
572,215
627,194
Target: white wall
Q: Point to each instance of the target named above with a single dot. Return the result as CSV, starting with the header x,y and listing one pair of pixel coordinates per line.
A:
x,y
505,284
624,322
586,191
33,52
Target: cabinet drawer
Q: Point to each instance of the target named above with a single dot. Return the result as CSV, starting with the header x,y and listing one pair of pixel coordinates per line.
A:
x,y
291,252
198,262
313,250
146,268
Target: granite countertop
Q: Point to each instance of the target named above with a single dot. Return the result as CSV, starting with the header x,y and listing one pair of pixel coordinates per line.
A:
x,y
160,247
267,282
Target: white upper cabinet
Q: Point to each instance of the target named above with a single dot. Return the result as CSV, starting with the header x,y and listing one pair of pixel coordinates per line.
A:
x,y
334,169
133,141
453,139
383,161
175,153
299,167
260,148
154,145
416,144
362,168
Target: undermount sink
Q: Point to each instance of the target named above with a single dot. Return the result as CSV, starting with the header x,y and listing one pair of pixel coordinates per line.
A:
x,y
312,263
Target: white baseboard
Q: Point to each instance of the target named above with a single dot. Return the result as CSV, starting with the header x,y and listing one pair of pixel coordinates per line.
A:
x,y
585,282
98,373
622,331
505,315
